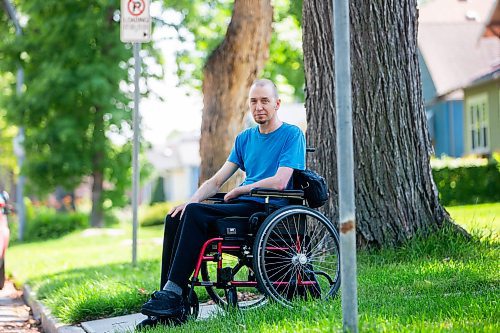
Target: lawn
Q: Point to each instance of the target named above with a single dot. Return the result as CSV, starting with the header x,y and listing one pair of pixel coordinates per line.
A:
x,y
445,283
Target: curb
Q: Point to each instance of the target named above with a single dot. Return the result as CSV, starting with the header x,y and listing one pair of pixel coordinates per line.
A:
x,y
40,312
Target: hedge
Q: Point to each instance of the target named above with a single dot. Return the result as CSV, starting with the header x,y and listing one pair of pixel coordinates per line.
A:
x,y
47,223
468,183
154,214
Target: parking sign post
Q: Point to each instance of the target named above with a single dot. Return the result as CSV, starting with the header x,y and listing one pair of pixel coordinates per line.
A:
x,y
135,27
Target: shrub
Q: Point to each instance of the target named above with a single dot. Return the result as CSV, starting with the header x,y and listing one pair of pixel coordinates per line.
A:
x,y
155,214
466,181
47,223
159,192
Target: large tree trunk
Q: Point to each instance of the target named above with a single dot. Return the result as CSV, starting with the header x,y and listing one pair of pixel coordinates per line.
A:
x,y
395,194
98,142
228,74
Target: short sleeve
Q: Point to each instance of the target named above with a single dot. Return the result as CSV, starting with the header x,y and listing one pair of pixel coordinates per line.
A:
x,y
236,154
293,154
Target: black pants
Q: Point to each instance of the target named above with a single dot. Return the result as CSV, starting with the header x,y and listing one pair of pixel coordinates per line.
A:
x,y
183,239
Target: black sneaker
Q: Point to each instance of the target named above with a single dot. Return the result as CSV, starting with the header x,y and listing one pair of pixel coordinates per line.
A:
x,y
152,321
164,304
149,322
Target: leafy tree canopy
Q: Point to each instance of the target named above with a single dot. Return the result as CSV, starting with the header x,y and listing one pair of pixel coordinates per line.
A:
x,y
204,23
76,93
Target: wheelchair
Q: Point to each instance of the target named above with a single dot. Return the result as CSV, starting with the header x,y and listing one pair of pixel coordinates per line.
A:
x,y
280,254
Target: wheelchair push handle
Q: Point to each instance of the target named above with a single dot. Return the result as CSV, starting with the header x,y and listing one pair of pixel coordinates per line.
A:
x,y
310,150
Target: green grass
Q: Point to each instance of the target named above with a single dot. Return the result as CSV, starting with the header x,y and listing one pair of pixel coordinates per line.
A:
x,y
440,284
484,218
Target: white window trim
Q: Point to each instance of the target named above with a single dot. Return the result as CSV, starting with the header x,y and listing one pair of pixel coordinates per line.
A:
x,y
478,101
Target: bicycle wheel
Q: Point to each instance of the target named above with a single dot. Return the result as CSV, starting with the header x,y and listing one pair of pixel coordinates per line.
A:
x,y
296,255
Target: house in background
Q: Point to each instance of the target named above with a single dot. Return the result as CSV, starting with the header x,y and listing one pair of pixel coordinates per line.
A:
x,y
451,55
177,164
482,100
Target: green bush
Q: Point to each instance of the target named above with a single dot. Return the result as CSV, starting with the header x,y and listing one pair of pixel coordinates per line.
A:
x,y
462,183
159,192
47,223
155,214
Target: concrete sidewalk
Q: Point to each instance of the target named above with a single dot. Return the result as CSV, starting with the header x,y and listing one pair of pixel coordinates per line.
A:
x,y
120,324
14,314
127,323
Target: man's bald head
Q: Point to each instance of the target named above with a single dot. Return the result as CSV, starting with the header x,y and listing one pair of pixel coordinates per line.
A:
x,y
266,83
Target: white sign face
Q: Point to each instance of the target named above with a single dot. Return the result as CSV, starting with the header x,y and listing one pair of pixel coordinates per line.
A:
x,y
135,21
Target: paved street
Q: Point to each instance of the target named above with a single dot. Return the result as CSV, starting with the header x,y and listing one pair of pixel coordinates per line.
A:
x,y
14,314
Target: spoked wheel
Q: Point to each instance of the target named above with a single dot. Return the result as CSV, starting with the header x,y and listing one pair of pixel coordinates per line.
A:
x,y
242,297
296,255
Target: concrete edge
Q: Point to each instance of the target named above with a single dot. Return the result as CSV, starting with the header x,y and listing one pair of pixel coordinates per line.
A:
x,y
50,324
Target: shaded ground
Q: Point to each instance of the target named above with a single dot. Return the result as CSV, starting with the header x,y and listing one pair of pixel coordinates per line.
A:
x,y
15,316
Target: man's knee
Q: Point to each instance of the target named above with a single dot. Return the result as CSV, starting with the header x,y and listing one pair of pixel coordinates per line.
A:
x,y
192,209
171,223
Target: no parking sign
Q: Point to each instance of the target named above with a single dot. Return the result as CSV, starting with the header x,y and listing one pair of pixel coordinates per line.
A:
x,y
135,23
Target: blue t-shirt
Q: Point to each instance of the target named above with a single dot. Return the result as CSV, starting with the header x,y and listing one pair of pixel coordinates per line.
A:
x,y
260,155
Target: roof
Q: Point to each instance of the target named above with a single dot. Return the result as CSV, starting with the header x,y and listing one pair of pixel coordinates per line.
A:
x,y
454,11
492,27
448,31
492,75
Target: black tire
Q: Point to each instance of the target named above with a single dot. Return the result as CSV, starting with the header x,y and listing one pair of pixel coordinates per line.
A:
x,y
297,243
218,295
2,273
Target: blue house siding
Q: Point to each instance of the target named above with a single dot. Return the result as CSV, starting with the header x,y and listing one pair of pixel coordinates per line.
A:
x,y
448,126
428,89
444,119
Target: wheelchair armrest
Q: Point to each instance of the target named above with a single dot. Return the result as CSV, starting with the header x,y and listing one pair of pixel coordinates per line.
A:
x,y
218,197
271,192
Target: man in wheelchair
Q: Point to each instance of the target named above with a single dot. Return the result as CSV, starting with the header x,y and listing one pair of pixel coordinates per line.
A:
x,y
268,154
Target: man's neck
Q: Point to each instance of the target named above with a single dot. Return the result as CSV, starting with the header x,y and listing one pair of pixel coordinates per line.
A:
x,y
270,127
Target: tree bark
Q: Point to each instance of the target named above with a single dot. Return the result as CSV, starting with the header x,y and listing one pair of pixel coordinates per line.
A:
x,y
395,193
98,142
228,75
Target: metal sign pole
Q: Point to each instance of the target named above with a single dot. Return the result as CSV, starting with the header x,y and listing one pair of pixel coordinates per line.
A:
x,y
345,165
135,154
135,27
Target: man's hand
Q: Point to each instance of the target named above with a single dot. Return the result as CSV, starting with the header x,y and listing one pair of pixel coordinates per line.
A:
x,y
180,208
234,193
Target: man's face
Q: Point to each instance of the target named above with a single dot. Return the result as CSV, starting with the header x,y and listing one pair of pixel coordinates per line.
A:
x,y
263,104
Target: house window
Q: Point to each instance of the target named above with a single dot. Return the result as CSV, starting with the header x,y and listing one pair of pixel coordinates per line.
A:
x,y
477,118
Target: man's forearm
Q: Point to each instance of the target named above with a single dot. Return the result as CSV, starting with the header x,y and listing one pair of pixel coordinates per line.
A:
x,y
206,190
271,182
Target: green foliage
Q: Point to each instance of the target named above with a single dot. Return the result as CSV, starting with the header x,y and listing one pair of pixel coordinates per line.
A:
x,y
158,192
47,223
205,24
75,96
468,184
154,214
8,163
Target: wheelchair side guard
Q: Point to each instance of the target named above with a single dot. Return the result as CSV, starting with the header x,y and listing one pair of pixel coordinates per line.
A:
x,y
273,193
